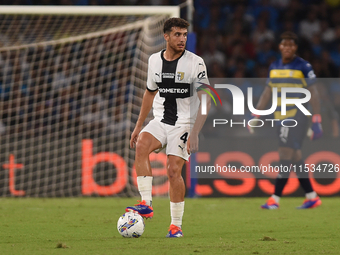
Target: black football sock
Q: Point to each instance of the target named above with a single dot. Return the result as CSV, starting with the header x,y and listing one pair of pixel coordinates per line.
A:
x,y
303,176
282,178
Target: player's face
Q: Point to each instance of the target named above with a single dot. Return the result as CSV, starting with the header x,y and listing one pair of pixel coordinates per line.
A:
x,y
288,48
177,39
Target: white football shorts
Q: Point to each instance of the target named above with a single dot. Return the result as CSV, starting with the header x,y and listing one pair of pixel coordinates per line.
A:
x,y
173,137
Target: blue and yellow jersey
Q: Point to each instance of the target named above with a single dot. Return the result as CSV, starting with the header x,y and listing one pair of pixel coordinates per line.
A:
x,y
298,74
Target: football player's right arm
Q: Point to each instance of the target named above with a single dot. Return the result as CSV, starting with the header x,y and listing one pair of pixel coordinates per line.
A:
x,y
144,111
266,94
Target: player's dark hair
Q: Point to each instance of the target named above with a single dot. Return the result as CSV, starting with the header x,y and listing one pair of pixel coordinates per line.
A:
x,y
289,36
174,22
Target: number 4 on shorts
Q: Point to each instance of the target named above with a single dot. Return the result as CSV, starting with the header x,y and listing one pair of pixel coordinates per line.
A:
x,y
184,137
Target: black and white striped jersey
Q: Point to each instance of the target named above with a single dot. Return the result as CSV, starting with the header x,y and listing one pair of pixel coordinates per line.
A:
x,y
176,101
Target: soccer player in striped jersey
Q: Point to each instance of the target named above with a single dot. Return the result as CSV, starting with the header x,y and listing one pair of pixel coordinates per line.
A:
x,y
292,71
174,75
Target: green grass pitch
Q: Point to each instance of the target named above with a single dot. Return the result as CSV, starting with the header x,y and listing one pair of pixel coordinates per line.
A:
x,y
211,226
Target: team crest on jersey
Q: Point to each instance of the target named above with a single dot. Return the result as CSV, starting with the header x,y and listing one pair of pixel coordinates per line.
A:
x,y
180,76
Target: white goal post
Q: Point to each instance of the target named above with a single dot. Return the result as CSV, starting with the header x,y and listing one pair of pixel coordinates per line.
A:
x,y
71,83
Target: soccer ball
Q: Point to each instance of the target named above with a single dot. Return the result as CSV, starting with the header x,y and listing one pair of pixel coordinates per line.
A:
x,y
130,224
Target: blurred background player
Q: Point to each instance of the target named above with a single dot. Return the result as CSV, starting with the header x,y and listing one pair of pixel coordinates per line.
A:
x,y
292,71
173,76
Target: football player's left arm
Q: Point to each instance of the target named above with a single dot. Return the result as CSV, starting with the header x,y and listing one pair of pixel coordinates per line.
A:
x,y
192,145
316,118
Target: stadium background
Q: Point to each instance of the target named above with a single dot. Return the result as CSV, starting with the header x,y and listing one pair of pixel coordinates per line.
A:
x,y
236,39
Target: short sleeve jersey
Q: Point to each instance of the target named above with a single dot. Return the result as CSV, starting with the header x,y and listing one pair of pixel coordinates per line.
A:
x,y
298,73
176,101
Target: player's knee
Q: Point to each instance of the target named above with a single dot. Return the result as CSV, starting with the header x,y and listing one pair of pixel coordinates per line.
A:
x,y
286,153
142,148
297,156
174,173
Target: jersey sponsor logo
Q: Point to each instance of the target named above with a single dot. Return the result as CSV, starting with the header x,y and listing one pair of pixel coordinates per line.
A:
x,y
173,90
168,75
177,90
157,74
201,75
180,76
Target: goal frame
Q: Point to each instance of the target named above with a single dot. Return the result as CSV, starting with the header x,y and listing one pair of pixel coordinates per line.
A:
x,y
29,11
174,11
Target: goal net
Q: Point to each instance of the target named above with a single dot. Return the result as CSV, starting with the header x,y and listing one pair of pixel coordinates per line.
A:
x,y
71,84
